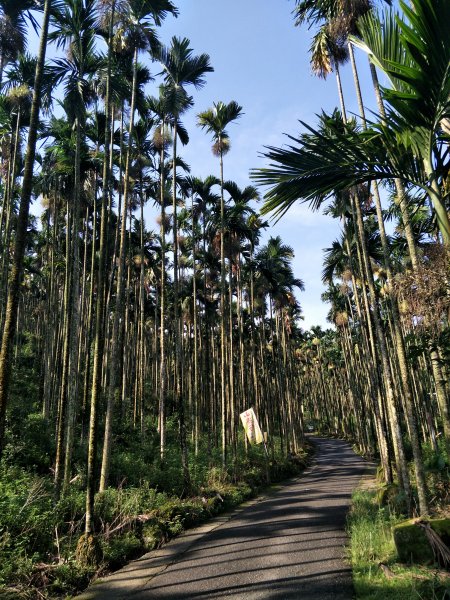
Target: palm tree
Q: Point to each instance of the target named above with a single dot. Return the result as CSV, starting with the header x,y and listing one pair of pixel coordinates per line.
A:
x,y
21,227
214,121
335,130
75,31
98,337
276,281
140,20
418,100
404,144
19,88
13,29
238,230
163,109
181,69
328,51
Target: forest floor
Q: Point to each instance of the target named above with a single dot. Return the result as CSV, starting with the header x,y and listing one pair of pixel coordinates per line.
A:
x,y
285,545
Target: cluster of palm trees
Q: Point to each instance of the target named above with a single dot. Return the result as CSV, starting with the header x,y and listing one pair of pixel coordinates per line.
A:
x,y
196,321
384,376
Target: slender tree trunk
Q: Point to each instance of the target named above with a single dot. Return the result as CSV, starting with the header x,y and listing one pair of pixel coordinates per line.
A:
x,y
74,328
222,320
408,402
162,303
196,394
178,324
99,339
21,230
8,208
120,292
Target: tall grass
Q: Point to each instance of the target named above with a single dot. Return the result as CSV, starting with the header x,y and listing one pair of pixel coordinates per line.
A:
x,y
376,573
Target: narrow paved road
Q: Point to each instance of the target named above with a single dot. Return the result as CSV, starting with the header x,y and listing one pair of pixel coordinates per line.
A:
x,y
289,545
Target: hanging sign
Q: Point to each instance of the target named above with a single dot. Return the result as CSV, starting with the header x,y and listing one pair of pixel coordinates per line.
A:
x,y
251,426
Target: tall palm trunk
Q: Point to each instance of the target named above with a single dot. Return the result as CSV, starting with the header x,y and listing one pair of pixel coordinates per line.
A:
x,y
162,304
408,402
178,323
62,396
141,358
99,339
8,208
21,230
196,387
74,328
231,345
120,292
222,320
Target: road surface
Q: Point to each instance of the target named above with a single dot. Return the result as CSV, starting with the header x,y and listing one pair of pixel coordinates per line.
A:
x,y
288,545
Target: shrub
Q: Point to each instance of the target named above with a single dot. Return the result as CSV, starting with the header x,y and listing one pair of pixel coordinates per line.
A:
x,y
29,443
117,550
26,513
69,578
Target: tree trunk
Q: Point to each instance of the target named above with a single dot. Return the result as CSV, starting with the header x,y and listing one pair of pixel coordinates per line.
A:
x,y
120,292
21,231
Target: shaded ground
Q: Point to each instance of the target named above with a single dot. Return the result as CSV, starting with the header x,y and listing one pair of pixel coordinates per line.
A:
x,y
289,545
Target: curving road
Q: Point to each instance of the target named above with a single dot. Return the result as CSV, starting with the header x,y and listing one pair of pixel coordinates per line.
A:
x,y
286,546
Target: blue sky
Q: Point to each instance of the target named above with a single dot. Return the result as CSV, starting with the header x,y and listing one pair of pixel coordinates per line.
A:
x,y
261,60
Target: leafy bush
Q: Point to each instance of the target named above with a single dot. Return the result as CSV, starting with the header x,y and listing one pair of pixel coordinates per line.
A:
x,y
436,460
39,537
118,550
30,445
112,505
70,577
128,466
26,513
70,507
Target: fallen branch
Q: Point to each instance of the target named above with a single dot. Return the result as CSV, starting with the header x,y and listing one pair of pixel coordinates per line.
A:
x,y
128,523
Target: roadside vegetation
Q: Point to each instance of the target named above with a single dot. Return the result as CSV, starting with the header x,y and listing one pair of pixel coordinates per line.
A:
x,y
143,508
377,572
377,509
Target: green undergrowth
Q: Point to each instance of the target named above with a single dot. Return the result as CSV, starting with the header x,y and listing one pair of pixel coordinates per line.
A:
x,y
377,574
147,507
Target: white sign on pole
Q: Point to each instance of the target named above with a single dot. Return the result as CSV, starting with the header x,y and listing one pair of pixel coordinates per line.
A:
x,y
251,427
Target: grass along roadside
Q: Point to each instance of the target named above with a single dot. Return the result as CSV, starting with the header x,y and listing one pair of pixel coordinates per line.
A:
x,y
376,573
38,538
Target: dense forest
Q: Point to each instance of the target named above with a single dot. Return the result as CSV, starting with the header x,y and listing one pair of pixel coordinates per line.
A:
x,y
128,354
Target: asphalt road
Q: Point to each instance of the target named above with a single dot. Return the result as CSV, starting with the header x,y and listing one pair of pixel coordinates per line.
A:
x,y
288,545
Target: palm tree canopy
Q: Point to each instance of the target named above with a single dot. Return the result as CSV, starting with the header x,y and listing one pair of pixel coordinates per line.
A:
x,y
415,55
274,275
181,67
13,27
241,195
326,52
331,159
157,9
215,119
